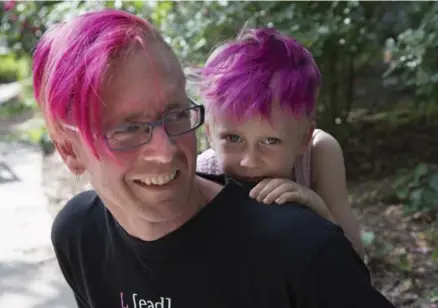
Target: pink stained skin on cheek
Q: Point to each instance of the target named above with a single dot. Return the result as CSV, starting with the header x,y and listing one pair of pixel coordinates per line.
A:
x,y
117,180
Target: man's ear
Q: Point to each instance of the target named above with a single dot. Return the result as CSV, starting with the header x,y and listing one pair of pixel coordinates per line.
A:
x,y
70,157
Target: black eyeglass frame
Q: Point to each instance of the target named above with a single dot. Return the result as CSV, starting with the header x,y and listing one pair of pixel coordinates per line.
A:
x,y
161,122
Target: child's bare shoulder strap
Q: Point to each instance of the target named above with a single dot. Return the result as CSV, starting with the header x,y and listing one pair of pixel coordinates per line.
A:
x,y
302,166
207,163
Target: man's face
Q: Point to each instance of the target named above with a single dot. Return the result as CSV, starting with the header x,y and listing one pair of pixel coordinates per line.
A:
x,y
154,180
258,148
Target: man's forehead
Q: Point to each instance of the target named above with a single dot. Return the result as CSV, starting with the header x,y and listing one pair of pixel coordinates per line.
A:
x,y
142,93
154,62
146,72
132,107
151,112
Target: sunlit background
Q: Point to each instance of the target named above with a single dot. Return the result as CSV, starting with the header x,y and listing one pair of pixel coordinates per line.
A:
x,y
379,62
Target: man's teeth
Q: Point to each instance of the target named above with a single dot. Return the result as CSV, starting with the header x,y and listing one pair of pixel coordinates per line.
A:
x,y
159,180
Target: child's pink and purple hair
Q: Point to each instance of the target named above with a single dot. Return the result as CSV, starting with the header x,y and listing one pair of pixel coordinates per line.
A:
x,y
70,64
247,76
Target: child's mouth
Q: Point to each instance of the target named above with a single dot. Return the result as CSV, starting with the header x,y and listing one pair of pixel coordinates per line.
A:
x,y
249,179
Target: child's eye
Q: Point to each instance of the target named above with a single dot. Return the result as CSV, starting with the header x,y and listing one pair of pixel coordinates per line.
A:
x,y
272,140
232,138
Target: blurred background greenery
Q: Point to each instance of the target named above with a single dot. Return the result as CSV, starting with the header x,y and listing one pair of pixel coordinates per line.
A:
x,y
379,62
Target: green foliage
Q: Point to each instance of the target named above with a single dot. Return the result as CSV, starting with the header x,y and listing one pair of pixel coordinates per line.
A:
x,y
435,255
347,39
414,65
14,108
368,238
433,297
418,188
24,23
13,69
202,140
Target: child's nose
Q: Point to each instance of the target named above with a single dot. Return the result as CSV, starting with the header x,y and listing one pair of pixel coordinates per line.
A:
x,y
249,160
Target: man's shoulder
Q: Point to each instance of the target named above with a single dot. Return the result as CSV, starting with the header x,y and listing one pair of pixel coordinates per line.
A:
x,y
79,213
296,222
291,228
289,222
297,234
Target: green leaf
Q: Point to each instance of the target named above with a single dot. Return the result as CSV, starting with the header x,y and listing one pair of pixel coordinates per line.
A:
x,y
433,181
416,196
401,180
435,255
404,263
402,193
430,198
368,238
419,172
433,297
414,202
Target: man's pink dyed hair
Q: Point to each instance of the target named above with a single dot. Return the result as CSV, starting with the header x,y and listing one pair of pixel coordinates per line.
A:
x,y
247,76
70,63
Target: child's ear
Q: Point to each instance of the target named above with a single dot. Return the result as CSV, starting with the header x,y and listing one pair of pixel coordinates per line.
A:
x,y
307,137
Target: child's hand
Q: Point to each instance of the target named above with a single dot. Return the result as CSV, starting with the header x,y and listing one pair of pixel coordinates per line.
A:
x,y
281,191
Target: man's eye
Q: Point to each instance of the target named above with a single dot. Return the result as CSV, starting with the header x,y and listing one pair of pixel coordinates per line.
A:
x,y
178,116
129,129
125,131
232,138
272,140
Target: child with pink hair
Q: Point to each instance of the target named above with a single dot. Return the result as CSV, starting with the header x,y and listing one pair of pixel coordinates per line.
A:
x,y
260,92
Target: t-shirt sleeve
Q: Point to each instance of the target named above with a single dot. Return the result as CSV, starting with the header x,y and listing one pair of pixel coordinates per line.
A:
x,y
337,277
207,163
67,271
63,235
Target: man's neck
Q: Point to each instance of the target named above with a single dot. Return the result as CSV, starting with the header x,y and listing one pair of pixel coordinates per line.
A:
x,y
203,192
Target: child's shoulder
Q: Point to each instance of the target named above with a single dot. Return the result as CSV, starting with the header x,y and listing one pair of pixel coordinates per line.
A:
x,y
319,137
322,140
207,157
318,134
206,162
326,153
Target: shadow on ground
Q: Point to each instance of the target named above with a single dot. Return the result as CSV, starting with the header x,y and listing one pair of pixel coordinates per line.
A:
x,y
7,174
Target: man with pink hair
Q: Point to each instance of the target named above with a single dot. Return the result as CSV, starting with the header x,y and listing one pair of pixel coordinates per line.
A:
x,y
153,233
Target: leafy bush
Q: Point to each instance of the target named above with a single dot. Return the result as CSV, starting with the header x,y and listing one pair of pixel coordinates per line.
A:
x,y
12,69
412,54
418,188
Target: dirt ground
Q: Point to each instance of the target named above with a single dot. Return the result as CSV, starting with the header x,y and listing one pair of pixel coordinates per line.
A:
x,y
401,256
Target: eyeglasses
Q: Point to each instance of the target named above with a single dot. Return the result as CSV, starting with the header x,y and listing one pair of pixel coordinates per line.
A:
x,y
175,123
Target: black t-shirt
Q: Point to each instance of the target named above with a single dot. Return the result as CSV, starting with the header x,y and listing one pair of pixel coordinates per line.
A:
x,y
235,253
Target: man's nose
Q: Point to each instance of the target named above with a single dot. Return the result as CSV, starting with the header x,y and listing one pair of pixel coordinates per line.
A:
x,y
160,148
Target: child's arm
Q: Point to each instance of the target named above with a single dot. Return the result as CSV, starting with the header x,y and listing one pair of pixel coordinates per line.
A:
x,y
280,191
328,196
329,182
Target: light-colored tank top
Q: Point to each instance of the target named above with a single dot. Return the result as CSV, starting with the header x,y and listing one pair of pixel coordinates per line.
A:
x,y
207,163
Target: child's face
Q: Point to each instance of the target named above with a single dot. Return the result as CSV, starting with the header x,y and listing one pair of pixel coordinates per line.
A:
x,y
257,148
